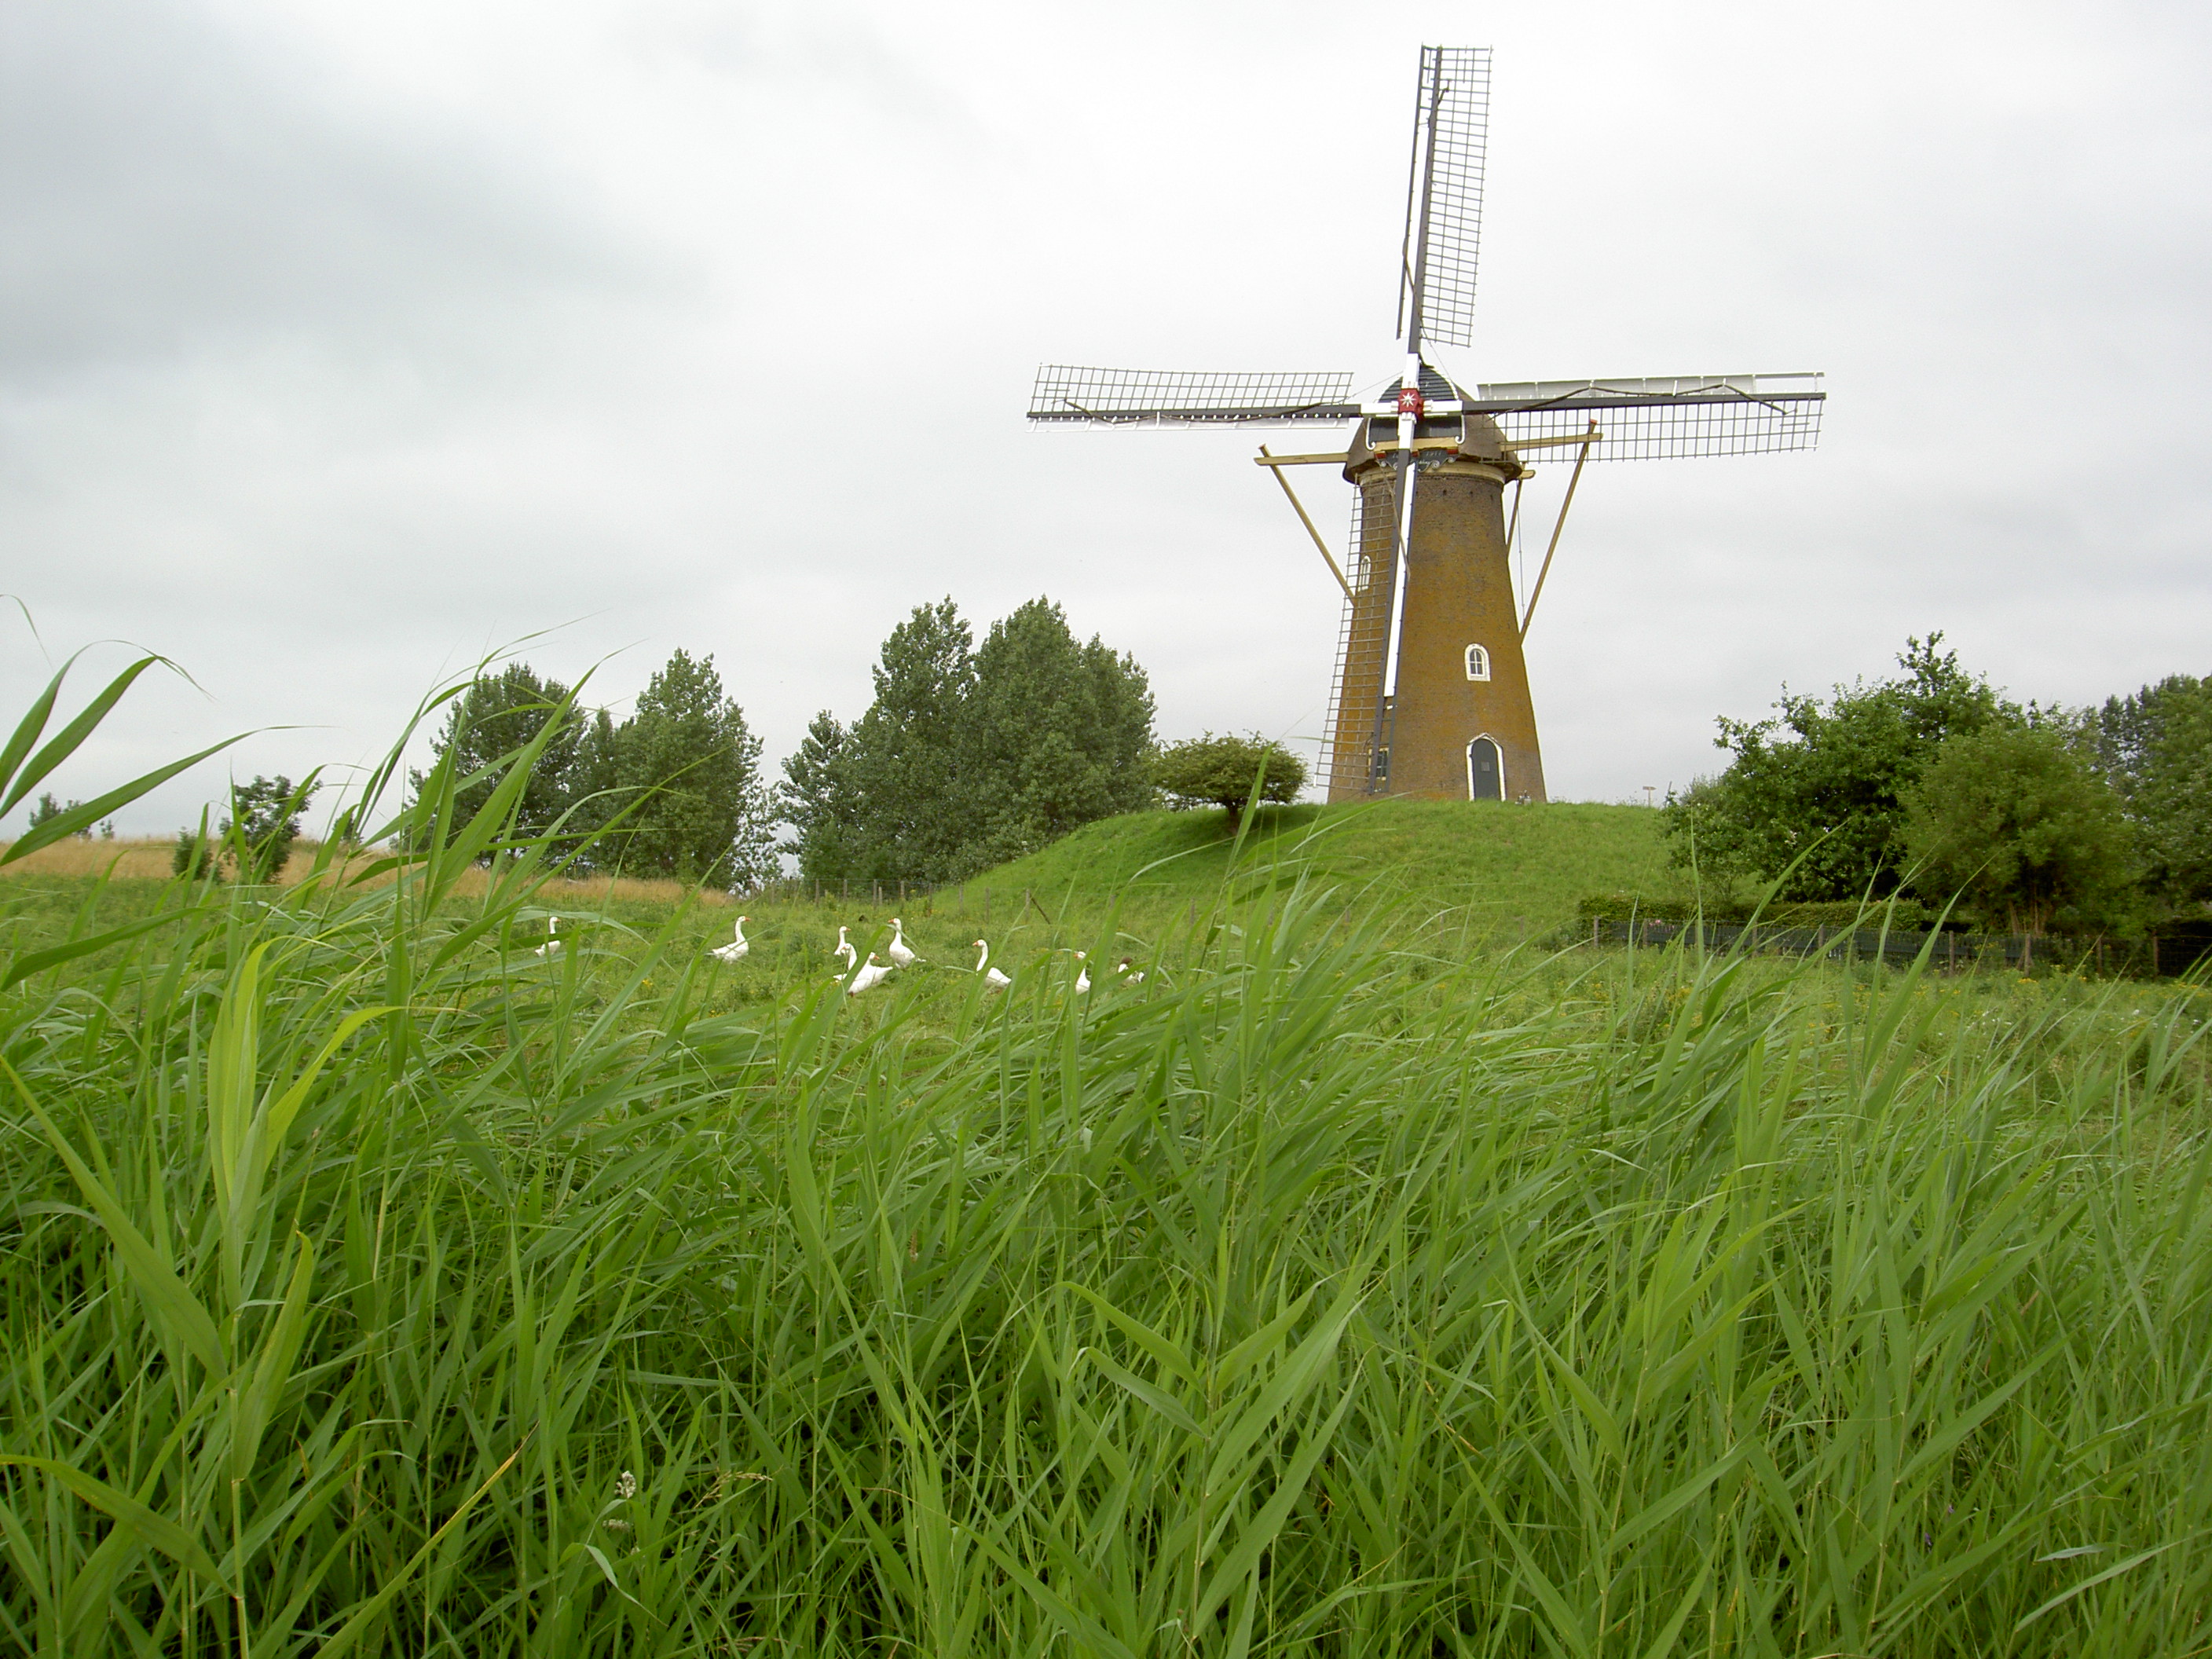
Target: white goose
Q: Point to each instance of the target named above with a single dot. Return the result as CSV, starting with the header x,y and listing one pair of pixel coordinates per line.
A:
x,y
735,950
1082,975
872,973
898,949
845,948
552,945
991,976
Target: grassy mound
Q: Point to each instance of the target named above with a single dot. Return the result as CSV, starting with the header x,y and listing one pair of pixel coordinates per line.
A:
x,y
1502,869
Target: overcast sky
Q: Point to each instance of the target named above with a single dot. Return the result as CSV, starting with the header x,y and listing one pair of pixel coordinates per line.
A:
x,y
340,344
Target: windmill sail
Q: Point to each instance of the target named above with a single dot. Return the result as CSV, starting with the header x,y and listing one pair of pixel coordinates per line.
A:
x,y
1144,397
1657,418
1443,197
1356,708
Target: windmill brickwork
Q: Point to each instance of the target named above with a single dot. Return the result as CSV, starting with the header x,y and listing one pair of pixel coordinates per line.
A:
x,y
1462,678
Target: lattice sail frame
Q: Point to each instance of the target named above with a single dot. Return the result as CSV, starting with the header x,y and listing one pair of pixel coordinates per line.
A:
x,y
1362,646
1662,417
1455,87
1143,397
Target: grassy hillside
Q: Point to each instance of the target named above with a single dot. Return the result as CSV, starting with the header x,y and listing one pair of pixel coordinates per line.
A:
x,y
1507,869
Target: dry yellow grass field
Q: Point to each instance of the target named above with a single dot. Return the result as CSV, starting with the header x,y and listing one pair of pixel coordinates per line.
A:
x,y
123,860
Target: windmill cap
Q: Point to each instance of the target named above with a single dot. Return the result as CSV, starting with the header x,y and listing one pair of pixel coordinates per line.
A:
x,y
1477,437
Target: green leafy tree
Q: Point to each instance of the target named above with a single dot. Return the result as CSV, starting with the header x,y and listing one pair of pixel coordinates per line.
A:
x,y
687,759
500,713
1821,786
817,801
2156,747
2016,819
1056,734
1211,771
264,823
917,804
969,755
197,856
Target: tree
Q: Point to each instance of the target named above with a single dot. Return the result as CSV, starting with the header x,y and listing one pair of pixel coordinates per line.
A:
x,y
704,814
2015,818
48,807
498,715
1054,734
264,823
1211,771
917,805
196,856
1821,786
819,802
969,755
2156,748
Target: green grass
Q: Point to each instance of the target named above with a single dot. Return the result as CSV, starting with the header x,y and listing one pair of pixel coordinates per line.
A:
x,y
1507,870
1350,1287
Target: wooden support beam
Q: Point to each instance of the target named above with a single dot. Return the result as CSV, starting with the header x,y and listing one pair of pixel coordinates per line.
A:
x,y
1592,436
1581,461
1265,460
1298,507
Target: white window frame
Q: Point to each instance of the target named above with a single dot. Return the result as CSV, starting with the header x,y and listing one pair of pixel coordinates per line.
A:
x,y
1473,652
1484,736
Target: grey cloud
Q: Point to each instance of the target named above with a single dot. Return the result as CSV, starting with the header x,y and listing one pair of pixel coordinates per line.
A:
x,y
171,188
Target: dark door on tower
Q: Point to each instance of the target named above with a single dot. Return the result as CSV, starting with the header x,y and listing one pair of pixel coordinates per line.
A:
x,y
1485,771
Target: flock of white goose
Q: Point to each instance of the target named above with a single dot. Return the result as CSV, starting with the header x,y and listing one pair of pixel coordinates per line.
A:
x,y
866,976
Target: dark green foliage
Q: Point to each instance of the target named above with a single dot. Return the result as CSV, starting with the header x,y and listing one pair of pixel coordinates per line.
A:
x,y
969,756
195,856
2156,747
693,768
674,790
1818,789
264,823
818,802
903,760
2016,819
498,714
1054,734
1211,771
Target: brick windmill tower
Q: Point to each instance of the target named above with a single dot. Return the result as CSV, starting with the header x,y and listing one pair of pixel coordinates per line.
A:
x,y
1431,693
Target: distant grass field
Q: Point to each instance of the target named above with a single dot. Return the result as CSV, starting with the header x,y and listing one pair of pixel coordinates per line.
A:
x,y
1370,1280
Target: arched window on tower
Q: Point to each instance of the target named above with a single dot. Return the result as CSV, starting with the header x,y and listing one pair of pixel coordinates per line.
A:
x,y
1478,663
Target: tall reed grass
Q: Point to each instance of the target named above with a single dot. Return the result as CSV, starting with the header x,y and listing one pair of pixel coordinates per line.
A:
x,y
375,1285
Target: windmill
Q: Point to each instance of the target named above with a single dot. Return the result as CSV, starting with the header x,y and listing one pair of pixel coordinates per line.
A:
x,y
1431,692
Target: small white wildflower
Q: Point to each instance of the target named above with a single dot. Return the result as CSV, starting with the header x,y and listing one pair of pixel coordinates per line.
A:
x,y
625,1485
